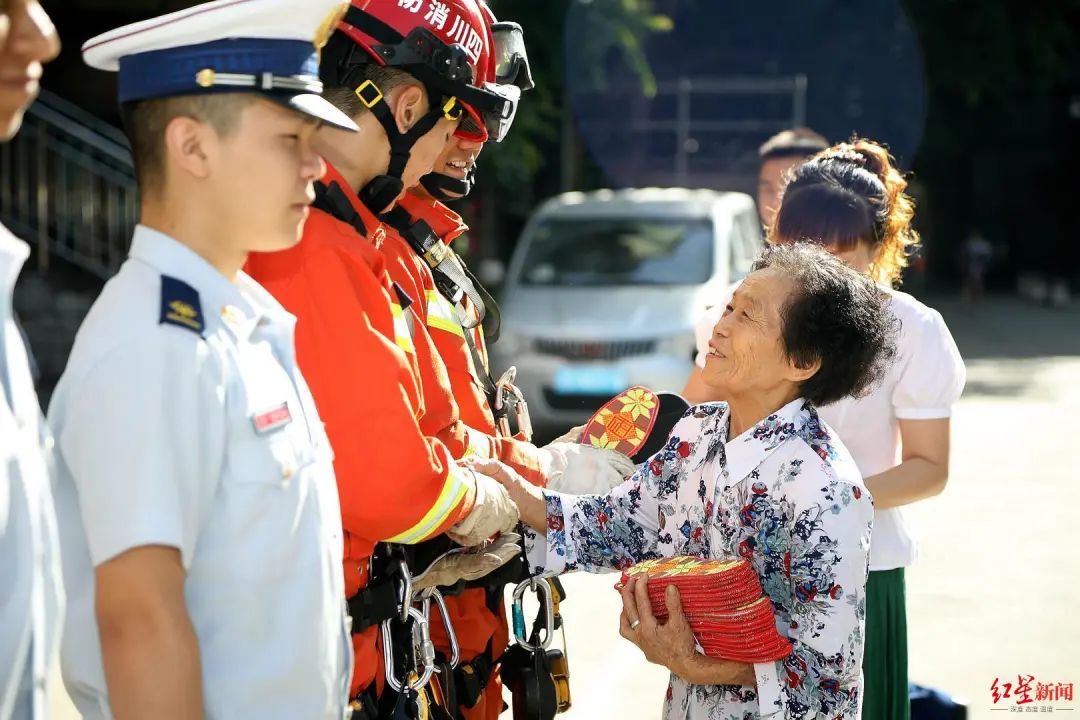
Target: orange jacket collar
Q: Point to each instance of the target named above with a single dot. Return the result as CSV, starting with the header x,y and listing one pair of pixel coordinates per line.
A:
x,y
373,226
446,223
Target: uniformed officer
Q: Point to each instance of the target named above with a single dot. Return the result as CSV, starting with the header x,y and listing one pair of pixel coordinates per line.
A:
x,y
200,520
31,596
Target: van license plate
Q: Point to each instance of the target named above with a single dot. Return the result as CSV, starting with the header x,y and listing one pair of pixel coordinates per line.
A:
x,y
590,380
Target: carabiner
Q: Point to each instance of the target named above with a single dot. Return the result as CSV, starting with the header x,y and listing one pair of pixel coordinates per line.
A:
x,y
426,652
524,422
543,591
405,596
506,381
434,594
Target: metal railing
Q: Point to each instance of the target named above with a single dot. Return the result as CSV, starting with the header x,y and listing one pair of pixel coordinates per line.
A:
x,y
68,184
696,128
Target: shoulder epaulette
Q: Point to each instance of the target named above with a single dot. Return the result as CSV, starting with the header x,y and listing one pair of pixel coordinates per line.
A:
x,y
180,305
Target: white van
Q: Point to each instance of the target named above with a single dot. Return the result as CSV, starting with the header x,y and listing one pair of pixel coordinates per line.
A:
x,y
604,288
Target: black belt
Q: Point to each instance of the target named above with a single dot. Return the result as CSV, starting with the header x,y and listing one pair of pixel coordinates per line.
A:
x,y
368,706
451,275
379,601
472,678
374,604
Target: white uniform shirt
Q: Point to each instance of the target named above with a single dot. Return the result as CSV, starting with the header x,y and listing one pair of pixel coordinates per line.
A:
x,y
31,593
182,420
923,383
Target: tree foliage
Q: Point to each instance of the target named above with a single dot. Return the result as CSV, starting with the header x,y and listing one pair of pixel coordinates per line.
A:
x,y
527,165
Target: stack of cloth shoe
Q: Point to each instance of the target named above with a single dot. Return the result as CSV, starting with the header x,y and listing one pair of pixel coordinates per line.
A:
x,y
723,602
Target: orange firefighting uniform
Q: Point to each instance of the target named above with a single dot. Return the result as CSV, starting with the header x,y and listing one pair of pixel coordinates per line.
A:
x,y
385,398
396,483
476,624
441,317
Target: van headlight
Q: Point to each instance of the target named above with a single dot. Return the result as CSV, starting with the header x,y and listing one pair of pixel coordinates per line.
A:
x,y
682,346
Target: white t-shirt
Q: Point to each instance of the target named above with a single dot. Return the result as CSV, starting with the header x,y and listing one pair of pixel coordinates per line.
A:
x,y
923,384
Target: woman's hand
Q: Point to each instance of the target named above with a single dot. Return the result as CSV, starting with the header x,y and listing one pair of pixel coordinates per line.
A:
x,y
671,644
528,497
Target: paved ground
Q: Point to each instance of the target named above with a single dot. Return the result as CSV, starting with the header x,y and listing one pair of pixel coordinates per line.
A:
x,y
994,593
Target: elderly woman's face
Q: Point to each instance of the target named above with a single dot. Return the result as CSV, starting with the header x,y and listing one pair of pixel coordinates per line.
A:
x,y
746,352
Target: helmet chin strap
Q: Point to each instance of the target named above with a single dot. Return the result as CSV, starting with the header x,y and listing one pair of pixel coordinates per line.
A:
x,y
378,194
448,189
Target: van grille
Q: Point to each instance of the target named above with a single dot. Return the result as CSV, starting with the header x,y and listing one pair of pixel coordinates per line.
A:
x,y
594,350
585,404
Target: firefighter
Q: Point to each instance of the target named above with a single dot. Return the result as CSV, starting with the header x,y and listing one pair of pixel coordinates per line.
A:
x,y
418,254
382,57
408,91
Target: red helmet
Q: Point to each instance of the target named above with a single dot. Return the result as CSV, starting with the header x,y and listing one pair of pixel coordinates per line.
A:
x,y
509,75
446,44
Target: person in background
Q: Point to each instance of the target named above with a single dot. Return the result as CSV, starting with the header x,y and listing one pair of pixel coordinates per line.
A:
x,y
31,589
198,510
776,156
851,199
977,254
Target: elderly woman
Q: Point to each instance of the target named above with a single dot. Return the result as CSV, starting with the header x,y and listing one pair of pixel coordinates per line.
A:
x,y
759,477
851,199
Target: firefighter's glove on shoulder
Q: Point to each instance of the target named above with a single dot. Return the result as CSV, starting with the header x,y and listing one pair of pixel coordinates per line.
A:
x,y
470,563
583,469
493,512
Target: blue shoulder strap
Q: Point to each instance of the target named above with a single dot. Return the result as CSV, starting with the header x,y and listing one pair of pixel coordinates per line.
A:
x,y
180,305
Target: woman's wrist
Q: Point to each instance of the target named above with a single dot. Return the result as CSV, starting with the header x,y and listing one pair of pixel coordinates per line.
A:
x,y
698,669
679,667
532,505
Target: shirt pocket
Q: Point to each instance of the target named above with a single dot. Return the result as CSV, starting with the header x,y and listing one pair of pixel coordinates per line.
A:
x,y
270,447
267,516
270,461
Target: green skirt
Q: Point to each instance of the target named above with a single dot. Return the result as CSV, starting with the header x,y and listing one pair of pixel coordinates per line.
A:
x,y
885,662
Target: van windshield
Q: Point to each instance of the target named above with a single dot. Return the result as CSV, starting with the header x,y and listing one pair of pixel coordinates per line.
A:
x,y
601,251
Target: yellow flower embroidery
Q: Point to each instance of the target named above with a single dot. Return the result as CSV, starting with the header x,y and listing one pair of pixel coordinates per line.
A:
x,y
638,402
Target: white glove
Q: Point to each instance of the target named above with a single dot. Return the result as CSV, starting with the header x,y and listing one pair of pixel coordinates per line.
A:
x,y
573,435
493,512
470,563
583,469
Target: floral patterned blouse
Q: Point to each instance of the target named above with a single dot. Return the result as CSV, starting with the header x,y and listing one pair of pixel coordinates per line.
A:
x,y
785,495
